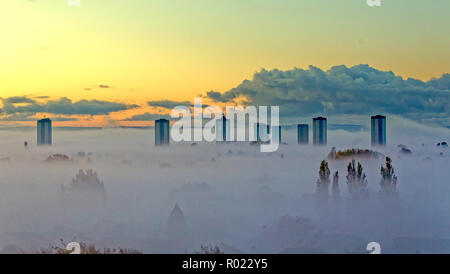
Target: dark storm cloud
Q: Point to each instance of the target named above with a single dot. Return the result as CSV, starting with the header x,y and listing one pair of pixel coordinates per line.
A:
x,y
147,117
62,106
342,90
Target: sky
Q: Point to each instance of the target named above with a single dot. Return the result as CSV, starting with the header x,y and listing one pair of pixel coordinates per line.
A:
x,y
102,62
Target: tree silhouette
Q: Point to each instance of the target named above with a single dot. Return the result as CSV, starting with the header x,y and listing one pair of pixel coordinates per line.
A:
x,y
210,249
335,192
356,180
324,180
388,180
85,182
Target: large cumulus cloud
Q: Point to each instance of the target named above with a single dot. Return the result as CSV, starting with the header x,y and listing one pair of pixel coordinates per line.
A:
x,y
344,90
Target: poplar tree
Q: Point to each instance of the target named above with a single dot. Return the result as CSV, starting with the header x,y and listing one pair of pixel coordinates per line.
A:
x,y
324,179
388,180
356,180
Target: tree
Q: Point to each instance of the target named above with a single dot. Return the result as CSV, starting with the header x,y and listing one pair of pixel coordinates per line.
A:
x,y
335,192
356,180
388,180
324,179
324,171
85,248
85,182
210,249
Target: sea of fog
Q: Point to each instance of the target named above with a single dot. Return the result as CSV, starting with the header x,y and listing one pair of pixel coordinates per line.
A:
x,y
231,195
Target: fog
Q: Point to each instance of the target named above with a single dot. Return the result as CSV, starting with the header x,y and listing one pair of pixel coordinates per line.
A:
x,y
231,195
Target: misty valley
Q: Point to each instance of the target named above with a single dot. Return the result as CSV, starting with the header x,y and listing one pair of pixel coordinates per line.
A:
x,y
113,191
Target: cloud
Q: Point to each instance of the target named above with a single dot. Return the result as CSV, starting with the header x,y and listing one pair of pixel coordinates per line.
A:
x,y
168,104
17,100
219,97
343,90
63,106
28,117
23,117
147,117
100,86
63,119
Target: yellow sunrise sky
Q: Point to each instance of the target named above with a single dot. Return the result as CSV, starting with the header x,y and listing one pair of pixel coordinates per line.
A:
x,y
145,50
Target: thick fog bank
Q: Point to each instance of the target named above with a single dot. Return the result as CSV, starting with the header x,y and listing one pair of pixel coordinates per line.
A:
x,y
231,194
